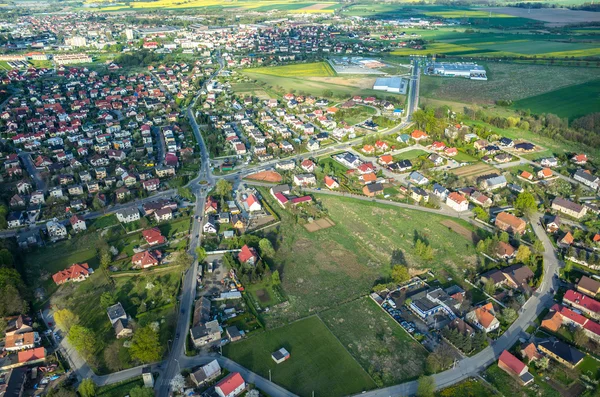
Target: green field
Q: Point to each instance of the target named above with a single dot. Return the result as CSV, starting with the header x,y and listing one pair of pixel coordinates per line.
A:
x,y
315,69
410,154
506,81
318,360
571,102
323,269
379,344
234,5
119,389
468,388
510,387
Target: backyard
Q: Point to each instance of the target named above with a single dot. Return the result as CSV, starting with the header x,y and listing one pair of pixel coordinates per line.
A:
x,y
318,361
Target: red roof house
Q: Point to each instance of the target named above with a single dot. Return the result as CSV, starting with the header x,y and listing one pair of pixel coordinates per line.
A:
x,y
248,255
153,236
25,356
76,272
145,259
588,305
231,385
514,367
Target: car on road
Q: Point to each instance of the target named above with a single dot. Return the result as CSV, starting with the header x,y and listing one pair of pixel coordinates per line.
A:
x,y
182,311
177,336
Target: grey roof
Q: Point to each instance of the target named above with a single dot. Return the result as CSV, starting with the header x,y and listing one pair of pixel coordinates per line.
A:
x,y
128,211
496,180
562,350
567,204
580,173
115,311
280,188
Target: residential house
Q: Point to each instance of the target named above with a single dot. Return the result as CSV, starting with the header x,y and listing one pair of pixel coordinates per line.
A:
x,y
77,223
505,250
331,183
568,207
23,341
205,333
209,227
553,224
163,214
231,386
75,273
233,333
495,182
56,230
514,276
515,368
119,320
248,255
418,135
510,223
588,286
206,373
373,189
419,194
145,259
418,178
561,352
584,303
305,180
579,159
484,318
586,177
253,203
462,327
457,202
127,215
153,236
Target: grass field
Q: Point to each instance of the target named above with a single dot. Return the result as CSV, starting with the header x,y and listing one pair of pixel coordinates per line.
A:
x,y
119,389
318,360
506,81
572,102
315,69
509,387
410,155
335,265
590,367
378,343
468,388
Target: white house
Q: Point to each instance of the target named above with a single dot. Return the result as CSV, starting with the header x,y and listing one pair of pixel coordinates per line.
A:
x,y
231,386
127,215
457,202
56,230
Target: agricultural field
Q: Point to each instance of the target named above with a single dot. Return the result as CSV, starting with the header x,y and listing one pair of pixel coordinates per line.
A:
x,y
316,69
571,102
506,81
381,346
323,269
318,360
472,172
325,7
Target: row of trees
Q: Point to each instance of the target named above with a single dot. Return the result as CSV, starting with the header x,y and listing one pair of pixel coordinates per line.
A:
x,y
465,343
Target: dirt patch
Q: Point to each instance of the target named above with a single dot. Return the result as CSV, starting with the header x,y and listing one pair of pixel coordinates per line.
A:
x,y
463,231
319,224
473,171
266,176
358,82
262,295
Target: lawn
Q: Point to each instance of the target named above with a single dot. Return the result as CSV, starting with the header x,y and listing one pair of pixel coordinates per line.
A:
x,y
571,102
590,367
314,69
376,341
318,361
323,269
119,389
409,155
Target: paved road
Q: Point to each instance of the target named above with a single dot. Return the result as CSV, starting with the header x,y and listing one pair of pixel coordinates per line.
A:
x,y
27,161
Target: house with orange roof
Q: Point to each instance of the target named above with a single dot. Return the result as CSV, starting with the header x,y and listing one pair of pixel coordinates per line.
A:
x,y
76,273
418,135
253,203
248,255
438,146
484,318
509,223
32,356
579,159
386,160
368,149
515,368
451,151
526,175
153,236
331,183
544,173
457,202
368,178
382,146
531,352
332,110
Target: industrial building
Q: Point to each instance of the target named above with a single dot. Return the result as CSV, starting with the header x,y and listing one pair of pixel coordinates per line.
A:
x,y
395,85
467,70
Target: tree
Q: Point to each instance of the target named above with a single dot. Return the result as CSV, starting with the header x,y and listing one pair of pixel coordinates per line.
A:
x,y
183,259
87,388
481,214
538,246
140,391
489,287
509,315
504,237
178,382
426,386
83,339
223,188
400,274
107,299
105,258
65,319
12,290
145,346
440,359
116,357
423,250
275,278
542,363
185,192
266,248
200,254
525,203
523,254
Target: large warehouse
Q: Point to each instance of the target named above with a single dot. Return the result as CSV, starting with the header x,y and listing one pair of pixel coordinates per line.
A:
x,y
468,70
396,85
